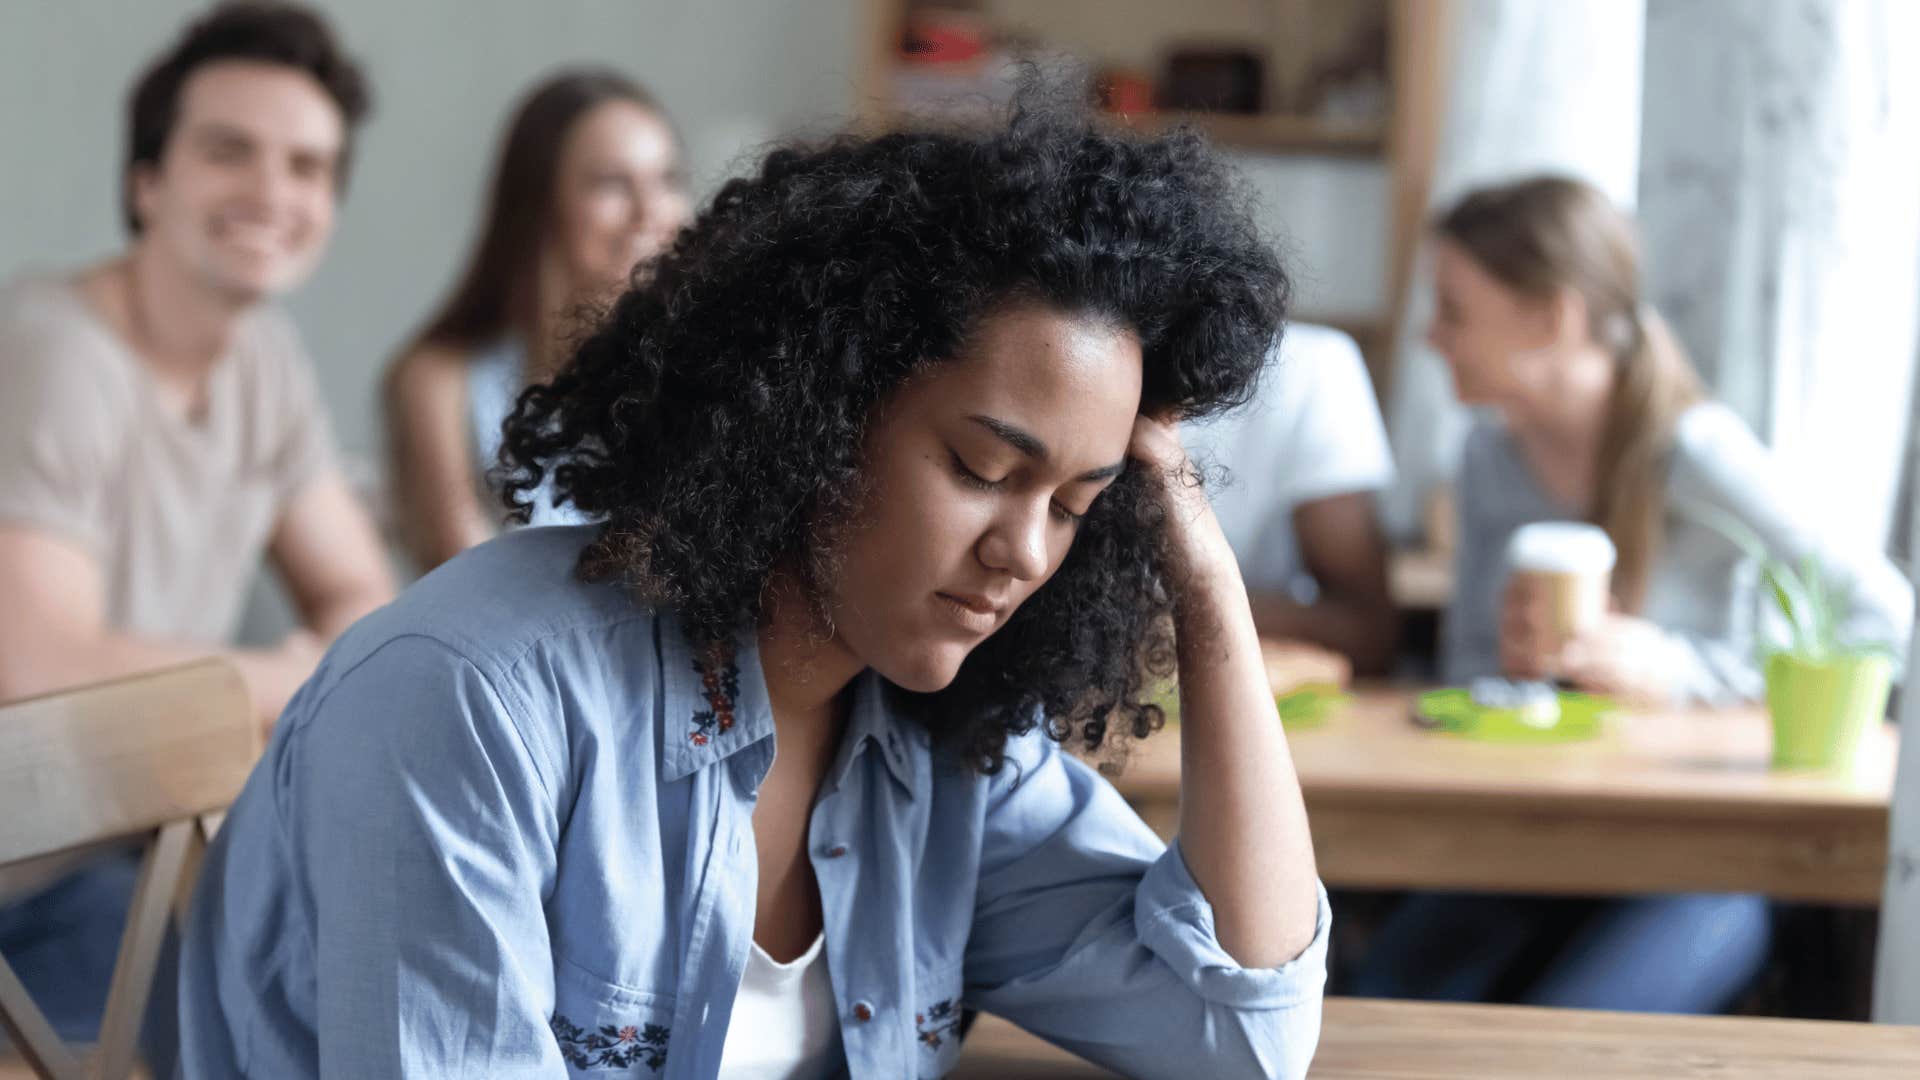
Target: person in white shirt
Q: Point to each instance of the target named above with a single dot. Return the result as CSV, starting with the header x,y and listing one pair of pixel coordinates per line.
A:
x,y
1295,472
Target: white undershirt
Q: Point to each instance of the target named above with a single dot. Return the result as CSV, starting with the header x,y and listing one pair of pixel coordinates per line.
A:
x,y
785,1025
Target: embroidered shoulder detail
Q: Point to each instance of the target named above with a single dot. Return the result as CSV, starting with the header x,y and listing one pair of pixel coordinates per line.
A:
x,y
611,1047
938,1022
720,684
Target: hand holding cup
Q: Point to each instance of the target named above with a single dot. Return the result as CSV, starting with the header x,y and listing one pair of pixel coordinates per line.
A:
x,y
1558,591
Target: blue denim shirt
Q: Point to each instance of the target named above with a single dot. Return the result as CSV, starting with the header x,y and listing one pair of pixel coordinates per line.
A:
x,y
506,830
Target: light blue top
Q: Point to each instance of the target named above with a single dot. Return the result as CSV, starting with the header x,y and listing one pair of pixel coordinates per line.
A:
x,y
506,830
1702,590
495,377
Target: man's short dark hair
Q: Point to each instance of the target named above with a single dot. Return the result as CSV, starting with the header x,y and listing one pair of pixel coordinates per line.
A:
x,y
273,33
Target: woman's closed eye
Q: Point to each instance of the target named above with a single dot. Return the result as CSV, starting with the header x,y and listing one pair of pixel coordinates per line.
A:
x,y
972,479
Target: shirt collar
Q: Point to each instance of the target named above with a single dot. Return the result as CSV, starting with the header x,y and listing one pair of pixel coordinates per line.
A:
x,y
717,704
716,701
871,723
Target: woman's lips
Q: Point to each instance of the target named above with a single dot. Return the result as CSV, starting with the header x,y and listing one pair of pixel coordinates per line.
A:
x,y
976,613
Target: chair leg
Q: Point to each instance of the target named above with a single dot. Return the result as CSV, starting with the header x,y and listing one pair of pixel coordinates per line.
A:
x,y
32,1036
153,900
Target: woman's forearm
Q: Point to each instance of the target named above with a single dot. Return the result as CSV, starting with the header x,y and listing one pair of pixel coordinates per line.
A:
x,y
1243,824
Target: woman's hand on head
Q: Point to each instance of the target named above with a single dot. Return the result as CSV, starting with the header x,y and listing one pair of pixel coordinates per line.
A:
x,y
1156,443
1194,540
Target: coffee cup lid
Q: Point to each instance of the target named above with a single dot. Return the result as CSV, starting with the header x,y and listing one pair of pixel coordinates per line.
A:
x,y
1561,547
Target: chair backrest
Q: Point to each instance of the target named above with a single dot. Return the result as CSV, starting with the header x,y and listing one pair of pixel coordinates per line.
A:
x,y
153,758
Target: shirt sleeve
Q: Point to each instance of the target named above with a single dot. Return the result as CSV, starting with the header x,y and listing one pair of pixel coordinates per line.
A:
x,y
62,419
427,841
1721,468
1337,443
1090,934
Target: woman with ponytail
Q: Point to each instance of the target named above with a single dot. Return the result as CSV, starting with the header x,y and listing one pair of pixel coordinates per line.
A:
x,y
1595,415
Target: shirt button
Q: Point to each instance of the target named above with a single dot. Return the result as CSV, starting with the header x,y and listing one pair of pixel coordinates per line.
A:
x,y
862,1011
836,851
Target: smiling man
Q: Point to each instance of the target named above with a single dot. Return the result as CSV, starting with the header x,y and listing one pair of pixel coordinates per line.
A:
x,y
160,429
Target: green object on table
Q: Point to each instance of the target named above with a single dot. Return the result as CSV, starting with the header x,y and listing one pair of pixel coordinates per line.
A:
x,y
1304,706
1454,711
1310,704
1821,706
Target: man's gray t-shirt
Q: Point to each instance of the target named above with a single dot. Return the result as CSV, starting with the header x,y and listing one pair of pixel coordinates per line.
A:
x,y
177,509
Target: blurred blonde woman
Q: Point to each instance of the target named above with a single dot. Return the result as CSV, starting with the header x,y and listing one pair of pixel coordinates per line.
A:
x,y
1595,415
589,185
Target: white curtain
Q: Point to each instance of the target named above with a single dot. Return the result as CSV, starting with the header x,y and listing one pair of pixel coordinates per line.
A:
x,y
1780,208
1534,86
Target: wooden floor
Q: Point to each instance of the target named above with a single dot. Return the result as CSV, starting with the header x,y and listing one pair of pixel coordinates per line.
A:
x,y
1392,1040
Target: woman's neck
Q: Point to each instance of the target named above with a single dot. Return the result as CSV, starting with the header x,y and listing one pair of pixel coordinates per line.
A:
x,y
1563,451
807,670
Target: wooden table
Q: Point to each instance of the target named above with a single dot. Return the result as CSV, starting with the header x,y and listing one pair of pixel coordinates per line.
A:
x,y
1662,802
1400,1040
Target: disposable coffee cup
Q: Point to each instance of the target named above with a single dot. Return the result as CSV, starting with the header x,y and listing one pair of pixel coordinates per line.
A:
x,y
1569,563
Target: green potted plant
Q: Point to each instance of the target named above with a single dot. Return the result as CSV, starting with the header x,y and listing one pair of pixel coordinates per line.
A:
x,y
1823,692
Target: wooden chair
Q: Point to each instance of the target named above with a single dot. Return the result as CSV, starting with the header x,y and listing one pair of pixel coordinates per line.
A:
x,y
152,759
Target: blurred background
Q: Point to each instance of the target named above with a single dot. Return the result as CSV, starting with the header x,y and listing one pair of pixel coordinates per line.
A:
x,y
444,74
1769,149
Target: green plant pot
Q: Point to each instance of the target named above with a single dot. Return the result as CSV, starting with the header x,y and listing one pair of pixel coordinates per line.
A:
x,y
1822,707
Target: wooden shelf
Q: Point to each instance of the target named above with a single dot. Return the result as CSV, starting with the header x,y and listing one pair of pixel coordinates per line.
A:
x,y
1404,142
1262,133
1274,133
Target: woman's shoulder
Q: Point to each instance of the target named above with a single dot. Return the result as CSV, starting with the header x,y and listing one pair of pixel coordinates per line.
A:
x,y
511,598
1710,428
428,369
1716,455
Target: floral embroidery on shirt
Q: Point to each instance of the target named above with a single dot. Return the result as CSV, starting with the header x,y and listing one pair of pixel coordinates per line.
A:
x,y
942,1019
720,683
611,1047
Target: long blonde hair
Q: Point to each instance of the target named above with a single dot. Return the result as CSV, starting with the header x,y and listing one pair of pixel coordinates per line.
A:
x,y
1541,235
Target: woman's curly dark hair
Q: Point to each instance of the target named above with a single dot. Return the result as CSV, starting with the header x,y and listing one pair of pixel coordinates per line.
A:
x,y
715,417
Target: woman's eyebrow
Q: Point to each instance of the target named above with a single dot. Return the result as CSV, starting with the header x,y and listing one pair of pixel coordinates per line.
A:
x,y
1019,438
1029,444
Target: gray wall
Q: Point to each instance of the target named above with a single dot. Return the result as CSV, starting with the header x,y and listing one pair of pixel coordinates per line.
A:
x,y
734,73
